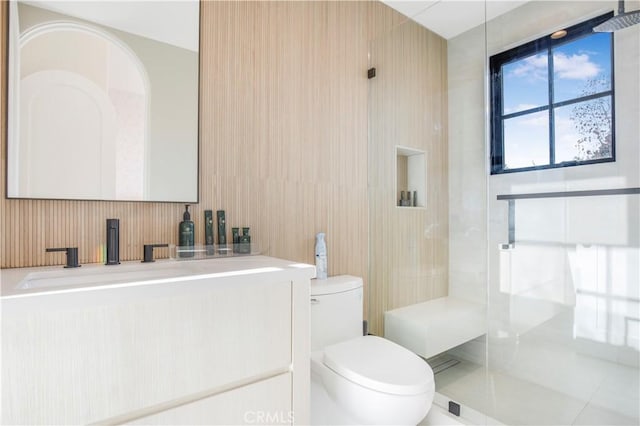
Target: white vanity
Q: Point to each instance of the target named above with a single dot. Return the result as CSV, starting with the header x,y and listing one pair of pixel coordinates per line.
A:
x,y
223,341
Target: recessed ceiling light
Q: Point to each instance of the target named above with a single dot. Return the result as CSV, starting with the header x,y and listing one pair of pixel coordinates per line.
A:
x,y
559,34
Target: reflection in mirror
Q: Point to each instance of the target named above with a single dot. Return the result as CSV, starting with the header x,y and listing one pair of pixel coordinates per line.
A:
x,y
103,101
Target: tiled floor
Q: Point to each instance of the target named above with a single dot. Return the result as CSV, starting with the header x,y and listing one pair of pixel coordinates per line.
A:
x,y
440,417
547,385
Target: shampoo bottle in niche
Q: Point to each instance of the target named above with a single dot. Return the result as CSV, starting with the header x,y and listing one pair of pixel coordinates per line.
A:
x,y
186,234
321,257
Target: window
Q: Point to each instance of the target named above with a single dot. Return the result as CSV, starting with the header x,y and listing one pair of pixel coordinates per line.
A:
x,y
552,102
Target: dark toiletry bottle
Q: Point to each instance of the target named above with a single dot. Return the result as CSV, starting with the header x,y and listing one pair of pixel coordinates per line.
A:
x,y
186,234
244,245
222,232
208,231
113,242
235,237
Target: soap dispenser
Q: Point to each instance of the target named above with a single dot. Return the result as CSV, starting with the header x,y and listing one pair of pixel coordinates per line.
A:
x,y
186,234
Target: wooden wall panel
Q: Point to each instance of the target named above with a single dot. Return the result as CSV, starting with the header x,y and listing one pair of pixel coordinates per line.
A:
x,y
286,83
283,149
283,144
409,246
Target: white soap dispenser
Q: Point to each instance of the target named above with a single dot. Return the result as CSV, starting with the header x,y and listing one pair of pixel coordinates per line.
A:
x,y
321,257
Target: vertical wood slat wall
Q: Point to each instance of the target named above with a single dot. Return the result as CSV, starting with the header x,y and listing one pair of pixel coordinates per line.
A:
x,y
409,246
283,142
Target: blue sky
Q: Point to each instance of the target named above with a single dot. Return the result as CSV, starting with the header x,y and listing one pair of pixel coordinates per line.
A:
x,y
525,86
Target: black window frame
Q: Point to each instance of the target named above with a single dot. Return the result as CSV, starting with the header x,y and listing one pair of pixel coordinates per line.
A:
x,y
543,45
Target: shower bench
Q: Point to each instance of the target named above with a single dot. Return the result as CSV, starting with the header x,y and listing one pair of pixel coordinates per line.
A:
x,y
432,327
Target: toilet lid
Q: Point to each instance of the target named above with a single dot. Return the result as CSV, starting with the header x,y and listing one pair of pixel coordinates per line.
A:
x,y
379,364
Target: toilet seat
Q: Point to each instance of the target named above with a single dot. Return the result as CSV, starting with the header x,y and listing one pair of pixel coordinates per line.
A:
x,y
380,365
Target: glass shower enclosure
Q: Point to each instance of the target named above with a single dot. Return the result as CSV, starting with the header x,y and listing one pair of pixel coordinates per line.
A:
x,y
520,289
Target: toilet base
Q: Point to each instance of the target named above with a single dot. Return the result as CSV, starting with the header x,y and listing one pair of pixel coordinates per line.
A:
x,y
324,410
364,406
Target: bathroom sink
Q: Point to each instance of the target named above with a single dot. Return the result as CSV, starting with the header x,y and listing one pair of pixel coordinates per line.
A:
x,y
96,276
27,282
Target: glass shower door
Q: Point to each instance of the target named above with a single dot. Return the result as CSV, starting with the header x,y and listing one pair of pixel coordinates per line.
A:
x,y
427,205
563,243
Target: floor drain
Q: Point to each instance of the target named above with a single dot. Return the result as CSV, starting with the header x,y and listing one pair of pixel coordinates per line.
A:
x,y
439,368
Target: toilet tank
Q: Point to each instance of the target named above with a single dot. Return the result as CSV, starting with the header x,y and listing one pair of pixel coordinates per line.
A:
x,y
336,310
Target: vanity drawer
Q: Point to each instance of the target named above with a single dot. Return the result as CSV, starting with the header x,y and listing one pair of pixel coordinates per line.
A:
x,y
101,360
261,403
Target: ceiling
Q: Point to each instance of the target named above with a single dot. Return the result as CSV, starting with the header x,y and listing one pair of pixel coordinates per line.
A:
x,y
449,18
171,22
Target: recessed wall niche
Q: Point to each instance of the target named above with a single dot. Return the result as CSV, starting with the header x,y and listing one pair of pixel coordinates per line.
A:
x,y
410,178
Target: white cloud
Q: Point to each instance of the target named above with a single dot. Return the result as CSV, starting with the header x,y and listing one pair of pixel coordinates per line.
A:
x,y
575,67
533,67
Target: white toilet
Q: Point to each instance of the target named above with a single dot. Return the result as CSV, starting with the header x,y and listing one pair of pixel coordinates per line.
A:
x,y
363,379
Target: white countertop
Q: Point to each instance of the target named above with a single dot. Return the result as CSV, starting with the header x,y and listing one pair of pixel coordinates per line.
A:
x,y
20,283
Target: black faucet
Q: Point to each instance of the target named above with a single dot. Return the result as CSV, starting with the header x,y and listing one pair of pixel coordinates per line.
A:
x,y
148,251
113,242
72,255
